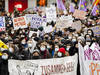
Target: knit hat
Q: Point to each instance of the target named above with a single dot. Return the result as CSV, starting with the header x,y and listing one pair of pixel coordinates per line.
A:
x,y
81,38
36,50
62,50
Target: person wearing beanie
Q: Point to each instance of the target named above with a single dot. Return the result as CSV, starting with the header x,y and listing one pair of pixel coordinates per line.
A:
x,y
62,50
61,53
35,54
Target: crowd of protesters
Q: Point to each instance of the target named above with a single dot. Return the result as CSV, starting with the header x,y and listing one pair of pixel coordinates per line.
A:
x,y
56,44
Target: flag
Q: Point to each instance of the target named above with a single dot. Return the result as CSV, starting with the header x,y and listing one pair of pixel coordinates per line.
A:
x,y
0,54
3,45
71,8
94,10
83,5
60,5
96,2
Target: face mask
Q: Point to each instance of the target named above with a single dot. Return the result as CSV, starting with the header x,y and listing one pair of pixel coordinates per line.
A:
x,y
42,48
5,57
22,36
26,32
59,54
20,32
70,37
30,45
90,33
11,50
23,42
6,38
88,43
12,32
73,40
56,49
67,49
76,35
88,39
10,22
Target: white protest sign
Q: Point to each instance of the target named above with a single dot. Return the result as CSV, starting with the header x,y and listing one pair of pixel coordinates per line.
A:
x,y
77,25
96,30
56,66
89,59
19,22
29,17
48,29
31,33
51,14
37,21
79,14
69,17
2,23
64,21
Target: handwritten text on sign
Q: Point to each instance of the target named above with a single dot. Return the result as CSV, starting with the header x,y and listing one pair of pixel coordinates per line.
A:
x,y
60,66
79,14
2,23
20,22
89,59
37,21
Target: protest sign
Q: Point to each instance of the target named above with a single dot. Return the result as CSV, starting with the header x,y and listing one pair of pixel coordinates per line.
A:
x,y
96,30
79,14
28,17
89,58
51,14
2,23
48,29
64,22
77,25
37,21
98,22
20,22
56,66
32,32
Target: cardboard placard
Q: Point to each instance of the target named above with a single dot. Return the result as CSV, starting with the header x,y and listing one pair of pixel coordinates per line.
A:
x,y
79,14
20,22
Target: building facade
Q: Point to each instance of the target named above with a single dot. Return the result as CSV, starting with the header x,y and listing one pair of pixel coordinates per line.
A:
x,y
24,4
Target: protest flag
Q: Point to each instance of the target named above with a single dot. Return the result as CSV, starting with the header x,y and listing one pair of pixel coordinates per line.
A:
x,y
96,2
0,54
71,8
83,5
94,10
60,5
